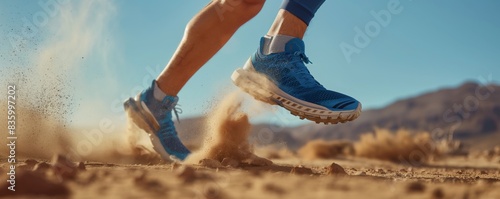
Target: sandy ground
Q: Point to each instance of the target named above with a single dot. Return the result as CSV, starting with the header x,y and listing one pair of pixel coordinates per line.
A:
x,y
227,165
453,177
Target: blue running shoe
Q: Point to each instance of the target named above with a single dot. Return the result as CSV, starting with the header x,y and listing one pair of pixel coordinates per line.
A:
x,y
283,79
155,117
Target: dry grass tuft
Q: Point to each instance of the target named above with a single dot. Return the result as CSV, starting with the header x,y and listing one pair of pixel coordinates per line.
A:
x,y
399,146
321,149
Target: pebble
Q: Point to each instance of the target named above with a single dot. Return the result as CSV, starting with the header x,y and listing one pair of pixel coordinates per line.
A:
x,y
81,166
31,162
335,169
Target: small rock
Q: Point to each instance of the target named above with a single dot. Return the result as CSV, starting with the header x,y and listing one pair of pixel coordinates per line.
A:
x,y
228,162
211,163
438,193
81,166
42,167
301,170
415,187
63,167
335,169
186,174
31,162
484,172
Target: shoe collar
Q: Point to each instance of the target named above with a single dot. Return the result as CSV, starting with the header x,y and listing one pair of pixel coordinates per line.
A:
x,y
294,45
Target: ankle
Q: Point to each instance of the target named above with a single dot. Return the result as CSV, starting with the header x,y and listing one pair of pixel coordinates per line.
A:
x,y
158,93
288,24
167,86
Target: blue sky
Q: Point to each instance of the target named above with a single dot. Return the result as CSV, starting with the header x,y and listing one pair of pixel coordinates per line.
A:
x,y
428,45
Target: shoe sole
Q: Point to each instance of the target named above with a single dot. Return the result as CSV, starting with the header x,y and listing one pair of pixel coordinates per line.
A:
x,y
138,114
262,89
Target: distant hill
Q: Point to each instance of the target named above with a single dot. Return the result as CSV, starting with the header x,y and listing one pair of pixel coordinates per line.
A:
x,y
470,111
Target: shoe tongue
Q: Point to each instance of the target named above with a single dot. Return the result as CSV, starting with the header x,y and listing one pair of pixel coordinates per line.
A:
x,y
170,101
295,45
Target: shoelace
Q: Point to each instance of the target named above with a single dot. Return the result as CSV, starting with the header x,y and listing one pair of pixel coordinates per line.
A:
x,y
173,106
302,56
303,71
177,111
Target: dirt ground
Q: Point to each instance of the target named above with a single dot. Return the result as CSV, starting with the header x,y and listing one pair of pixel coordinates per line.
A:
x,y
453,177
227,165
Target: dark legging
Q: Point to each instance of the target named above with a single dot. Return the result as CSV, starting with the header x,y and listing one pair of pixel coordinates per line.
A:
x,y
303,9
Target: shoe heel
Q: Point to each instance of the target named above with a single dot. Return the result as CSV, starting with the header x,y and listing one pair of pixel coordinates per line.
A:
x,y
248,65
126,103
243,79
